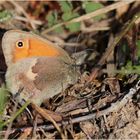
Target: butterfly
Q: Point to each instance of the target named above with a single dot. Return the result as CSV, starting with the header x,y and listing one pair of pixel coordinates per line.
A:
x,y
37,68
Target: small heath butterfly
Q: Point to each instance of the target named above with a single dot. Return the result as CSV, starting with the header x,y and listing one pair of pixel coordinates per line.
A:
x,y
37,68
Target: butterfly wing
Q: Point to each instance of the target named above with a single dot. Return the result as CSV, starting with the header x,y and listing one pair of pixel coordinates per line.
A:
x,y
41,78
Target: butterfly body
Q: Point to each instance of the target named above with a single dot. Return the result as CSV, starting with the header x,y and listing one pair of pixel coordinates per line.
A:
x,y
37,69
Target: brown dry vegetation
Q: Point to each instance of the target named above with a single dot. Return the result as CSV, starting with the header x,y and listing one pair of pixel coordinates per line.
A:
x,y
105,102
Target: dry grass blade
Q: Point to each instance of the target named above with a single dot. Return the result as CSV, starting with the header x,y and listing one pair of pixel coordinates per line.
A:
x,y
101,11
48,117
10,124
91,15
15,115
111,47
37,22
19,8
26,133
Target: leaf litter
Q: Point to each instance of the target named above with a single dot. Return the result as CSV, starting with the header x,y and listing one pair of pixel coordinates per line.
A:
x,y
104,103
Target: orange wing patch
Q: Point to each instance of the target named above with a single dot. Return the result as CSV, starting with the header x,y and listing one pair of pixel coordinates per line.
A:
x,y
33,47
20,50
40,48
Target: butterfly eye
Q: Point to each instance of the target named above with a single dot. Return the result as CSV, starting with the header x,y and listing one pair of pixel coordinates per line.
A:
x,y
20,44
